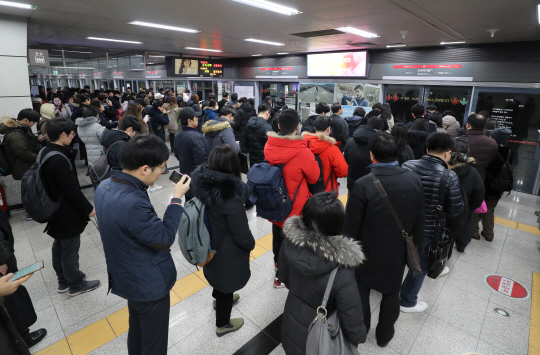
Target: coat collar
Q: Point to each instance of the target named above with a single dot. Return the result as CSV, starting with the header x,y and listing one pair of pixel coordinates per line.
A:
x,y
216,125
387,170
214,188
434,159
290,137
322,137
130,179
338,249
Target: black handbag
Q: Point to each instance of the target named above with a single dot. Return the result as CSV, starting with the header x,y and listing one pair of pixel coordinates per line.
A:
x,y
412,257
20,308
442,242
244,168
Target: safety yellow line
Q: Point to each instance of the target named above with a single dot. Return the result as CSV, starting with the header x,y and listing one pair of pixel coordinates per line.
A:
x,y
534,329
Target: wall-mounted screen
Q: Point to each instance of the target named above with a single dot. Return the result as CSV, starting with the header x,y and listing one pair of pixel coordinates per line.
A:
x,y
206,68
186,66
344,64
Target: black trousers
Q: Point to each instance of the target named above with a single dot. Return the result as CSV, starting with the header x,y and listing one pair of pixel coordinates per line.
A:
x,y
388,315
171,140
277,240
149,327
65,260
224,302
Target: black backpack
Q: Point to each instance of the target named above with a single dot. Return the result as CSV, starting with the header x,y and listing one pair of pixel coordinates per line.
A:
x,y
100,169
320,185
505,180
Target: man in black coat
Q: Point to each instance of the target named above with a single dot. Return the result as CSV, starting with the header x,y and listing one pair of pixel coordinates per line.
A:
x,y
256,134
340,128
431,169
357,150
321,109
223,101
243,114
60,180
370,221
127,129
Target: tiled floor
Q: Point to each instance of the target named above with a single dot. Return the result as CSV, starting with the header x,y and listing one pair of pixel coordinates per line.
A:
x,y
460,317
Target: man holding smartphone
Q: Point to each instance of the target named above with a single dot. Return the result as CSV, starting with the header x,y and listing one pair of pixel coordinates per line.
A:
x,y
137,243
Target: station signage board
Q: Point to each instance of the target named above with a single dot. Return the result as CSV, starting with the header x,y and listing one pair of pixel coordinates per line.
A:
x,y
429,71
38,57
118,75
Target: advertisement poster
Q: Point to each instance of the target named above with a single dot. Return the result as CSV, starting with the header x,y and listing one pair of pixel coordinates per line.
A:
x,y
358,94
186,66
317,92
244,91
337,64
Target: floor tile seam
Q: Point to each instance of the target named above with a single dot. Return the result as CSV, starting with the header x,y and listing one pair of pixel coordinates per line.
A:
x,y
458,328
484,320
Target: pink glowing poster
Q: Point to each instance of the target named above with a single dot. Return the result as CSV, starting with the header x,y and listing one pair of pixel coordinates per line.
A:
x,y
344,64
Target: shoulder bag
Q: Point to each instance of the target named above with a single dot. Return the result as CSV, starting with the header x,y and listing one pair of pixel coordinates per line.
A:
x,y
413,259
324,334
442,242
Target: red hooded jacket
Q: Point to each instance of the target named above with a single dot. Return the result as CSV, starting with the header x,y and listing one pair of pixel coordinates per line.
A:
x,y
331,158
301,167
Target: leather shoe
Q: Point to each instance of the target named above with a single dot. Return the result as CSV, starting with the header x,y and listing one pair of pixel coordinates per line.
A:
x,y
35,337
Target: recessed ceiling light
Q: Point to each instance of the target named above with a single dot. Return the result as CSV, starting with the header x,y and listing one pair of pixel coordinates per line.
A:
x,y
19,5
357,32
112,40
164,27
204,49
264,42
458,42
267,5
256,55
283,53
395,45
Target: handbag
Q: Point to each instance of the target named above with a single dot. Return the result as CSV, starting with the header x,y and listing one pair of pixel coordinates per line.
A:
x,y
324,334
482,208
439,249
413,258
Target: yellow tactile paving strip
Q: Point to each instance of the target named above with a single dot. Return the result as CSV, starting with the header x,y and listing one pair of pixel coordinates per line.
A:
x,y
101,332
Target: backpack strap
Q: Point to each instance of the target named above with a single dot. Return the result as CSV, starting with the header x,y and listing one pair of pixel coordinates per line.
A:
x,y
384,196
327,181
108,149
297,189
50,155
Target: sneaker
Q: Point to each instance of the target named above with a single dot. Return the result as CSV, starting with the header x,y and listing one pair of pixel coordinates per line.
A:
x,y
234,325
62,288
86,287
235,299
28,218
487,239
277,283
154,188
476,236
445,271
420,307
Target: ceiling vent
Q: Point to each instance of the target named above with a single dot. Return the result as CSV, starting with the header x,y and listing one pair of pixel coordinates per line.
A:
x,y
322,33
360,44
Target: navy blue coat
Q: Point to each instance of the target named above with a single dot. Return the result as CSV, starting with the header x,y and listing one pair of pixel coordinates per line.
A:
x,y
190,149
136,242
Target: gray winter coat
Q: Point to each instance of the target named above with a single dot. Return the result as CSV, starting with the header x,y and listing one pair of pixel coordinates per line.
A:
x,y
90,131
218,132
305,262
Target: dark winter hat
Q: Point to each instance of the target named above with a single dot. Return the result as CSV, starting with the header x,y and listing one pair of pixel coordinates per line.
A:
x,y
501,135
188,113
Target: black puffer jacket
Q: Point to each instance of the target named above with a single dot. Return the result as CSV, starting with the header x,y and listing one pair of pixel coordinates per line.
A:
x,y
305,262
417,141
354,122
256,137
431,169
307,125
493,170
243,114
340,131
223,195
357,154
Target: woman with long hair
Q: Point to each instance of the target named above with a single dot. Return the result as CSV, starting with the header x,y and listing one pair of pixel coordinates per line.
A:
x,y
135,109
399,131
172,127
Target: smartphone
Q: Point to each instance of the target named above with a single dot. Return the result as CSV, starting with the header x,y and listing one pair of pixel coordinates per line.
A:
x,y
175,177
27,270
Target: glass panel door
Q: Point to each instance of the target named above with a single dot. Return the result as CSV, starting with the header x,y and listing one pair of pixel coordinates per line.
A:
x,y
268,89
222,86
401,98
449,98
201,89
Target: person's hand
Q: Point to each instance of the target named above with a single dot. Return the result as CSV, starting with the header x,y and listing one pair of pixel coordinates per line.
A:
x,y
7,287
3,269
93,213
182,186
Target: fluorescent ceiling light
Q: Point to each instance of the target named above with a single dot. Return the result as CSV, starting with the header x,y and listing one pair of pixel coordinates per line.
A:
x,y
256,55
16,4
164,27
396,45
357,32
112,40
157,56
59,50
150,63
204,49
267,5
264,42
458,42
538,13
283,53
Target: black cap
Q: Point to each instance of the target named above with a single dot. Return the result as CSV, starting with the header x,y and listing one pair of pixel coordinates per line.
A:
x,y
187,113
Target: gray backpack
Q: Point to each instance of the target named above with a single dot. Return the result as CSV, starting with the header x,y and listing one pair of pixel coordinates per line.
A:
x,y
194,234
100,169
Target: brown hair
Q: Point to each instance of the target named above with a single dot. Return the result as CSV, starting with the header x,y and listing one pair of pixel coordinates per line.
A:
x,y
172,102
195,98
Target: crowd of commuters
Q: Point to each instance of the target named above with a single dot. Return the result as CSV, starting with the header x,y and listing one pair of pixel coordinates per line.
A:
x,y
434,172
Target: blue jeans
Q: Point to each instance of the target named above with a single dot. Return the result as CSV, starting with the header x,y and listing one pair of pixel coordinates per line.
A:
x,y
413,283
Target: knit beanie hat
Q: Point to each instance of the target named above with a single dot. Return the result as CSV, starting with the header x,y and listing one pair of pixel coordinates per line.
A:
x,y
448,120
501,135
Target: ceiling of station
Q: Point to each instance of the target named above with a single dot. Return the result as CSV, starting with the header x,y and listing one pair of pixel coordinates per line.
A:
x,y
224,24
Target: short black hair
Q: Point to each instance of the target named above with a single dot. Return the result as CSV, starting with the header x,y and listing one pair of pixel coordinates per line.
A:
x,y
384,147
242,99
234,96
431,108
476,121
437,118
224,159
187,91
130,121
146,149
157,104
359,111
359,87
84,98
226,110
377,106
57,126
376,123
88,111
29,113
439,143
288,121
212,103
211,96
418,110
322,123
491,124
322,107
324,214
336,106
373,113
268,98
264,108
225,94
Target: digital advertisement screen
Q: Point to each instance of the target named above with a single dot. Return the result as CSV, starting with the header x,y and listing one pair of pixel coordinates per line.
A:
x,y
344,64
186,66
204,68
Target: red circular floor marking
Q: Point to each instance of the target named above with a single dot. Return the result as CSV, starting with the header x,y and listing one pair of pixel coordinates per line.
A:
x,y
506,286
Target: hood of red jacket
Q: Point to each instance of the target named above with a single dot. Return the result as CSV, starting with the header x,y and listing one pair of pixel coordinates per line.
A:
x,y
281,149
318,143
